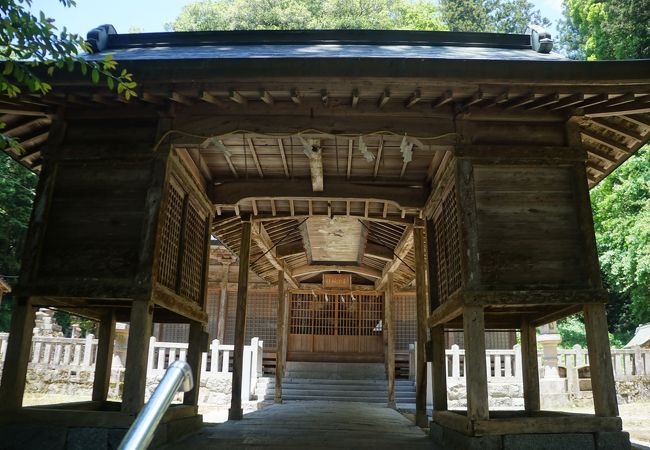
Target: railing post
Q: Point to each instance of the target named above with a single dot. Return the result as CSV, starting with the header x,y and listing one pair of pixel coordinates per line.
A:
x,y
214,358
518,365
88,349
411,361
260,359
638,361
455,362
150,356
246,374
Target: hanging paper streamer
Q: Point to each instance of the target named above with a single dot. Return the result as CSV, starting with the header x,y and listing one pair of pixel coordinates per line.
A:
x,y
406,148
308,147
363,148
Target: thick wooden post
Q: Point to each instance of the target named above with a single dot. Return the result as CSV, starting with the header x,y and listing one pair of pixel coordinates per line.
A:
x,y
421,299
135,372
193,358
438,369
223,304
104,359
281,347
603,385
475,369
236,412
389,330
18,348
530,366
438,356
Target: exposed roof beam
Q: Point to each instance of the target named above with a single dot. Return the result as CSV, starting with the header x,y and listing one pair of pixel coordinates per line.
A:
x,y
378,159
638,120
284,158
445,98
401,250
384,98
266,97
226,155
415,97
640,106
307,270
607,142
290,249
28,127
571,100
295,96
618,129
251,146
542,102
237,97
601,154
355,98
519,101
350,146
209,98
379,251
316,167
263,241
324,97
403,196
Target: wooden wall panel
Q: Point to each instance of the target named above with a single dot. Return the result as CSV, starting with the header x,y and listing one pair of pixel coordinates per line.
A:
x,y
528,231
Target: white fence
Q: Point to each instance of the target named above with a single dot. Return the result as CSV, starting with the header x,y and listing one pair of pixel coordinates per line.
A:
x,y
80,354
505,366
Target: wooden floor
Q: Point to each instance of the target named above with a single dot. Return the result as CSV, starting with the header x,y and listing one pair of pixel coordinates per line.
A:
x,y
312,425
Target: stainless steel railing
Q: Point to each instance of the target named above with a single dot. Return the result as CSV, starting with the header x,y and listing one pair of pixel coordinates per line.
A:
x,y
177,378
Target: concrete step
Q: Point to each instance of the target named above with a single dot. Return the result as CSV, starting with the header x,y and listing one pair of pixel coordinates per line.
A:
x,y
346,398
335,371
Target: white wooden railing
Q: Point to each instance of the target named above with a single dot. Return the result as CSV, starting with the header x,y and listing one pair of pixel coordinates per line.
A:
x,y
505,366
80,354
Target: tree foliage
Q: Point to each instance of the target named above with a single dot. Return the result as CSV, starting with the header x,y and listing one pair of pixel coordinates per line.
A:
x,y
621,206
494,16
597,30
29,41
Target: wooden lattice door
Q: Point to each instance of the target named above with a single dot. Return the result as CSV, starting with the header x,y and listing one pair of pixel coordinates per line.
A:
x,y
335,326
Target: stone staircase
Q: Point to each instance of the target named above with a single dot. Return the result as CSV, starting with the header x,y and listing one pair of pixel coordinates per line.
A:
x,y
345,382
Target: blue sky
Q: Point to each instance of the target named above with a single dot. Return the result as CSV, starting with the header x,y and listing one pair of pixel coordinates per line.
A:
x,y
152,15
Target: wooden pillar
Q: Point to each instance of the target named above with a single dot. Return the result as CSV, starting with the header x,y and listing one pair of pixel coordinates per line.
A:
x,y
475,369
104,359
438,356
223,305
421,307
438,368
281,347
193,358
135,372
603,385
19,346
530,366
236,412
389,330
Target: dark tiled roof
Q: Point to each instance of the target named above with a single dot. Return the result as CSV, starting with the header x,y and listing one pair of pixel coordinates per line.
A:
x,y
315,44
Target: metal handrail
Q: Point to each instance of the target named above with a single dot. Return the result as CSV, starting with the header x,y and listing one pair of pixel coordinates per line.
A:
x,y
178,377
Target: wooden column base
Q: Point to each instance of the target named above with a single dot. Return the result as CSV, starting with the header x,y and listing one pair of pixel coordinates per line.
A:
x,y
235,414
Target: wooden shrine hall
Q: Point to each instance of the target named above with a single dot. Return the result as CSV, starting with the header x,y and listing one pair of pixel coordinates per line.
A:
x,y
340,167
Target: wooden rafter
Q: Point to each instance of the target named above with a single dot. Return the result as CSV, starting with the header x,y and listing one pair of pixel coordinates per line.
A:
x,y
607,142
355,97
384,97
350,147
568,101
414,98
236,97
266,97
263,241
618,129
380,150
283,155
401,250
446,97
251,147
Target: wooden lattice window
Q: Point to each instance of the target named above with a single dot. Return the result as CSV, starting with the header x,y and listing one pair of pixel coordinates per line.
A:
x,y
193,254
261,317
183,241
405,320
170,236
447,245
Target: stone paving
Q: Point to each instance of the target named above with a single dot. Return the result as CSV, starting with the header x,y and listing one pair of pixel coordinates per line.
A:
x,y
312,425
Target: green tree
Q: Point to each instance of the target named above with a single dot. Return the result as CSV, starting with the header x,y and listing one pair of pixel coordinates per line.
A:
x,y
495,16
306,14
32,46
621,206
597,30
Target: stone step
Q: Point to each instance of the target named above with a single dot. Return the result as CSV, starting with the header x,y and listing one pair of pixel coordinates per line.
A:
x,y
346,398
341,387
295,393
335,371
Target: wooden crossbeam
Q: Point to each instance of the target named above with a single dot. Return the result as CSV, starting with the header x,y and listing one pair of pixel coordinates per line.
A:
x,y
639,106
307,270
33,142
226,155
28,127
601,154
350,146
593,101
638,120
251,146
475,98
180,98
